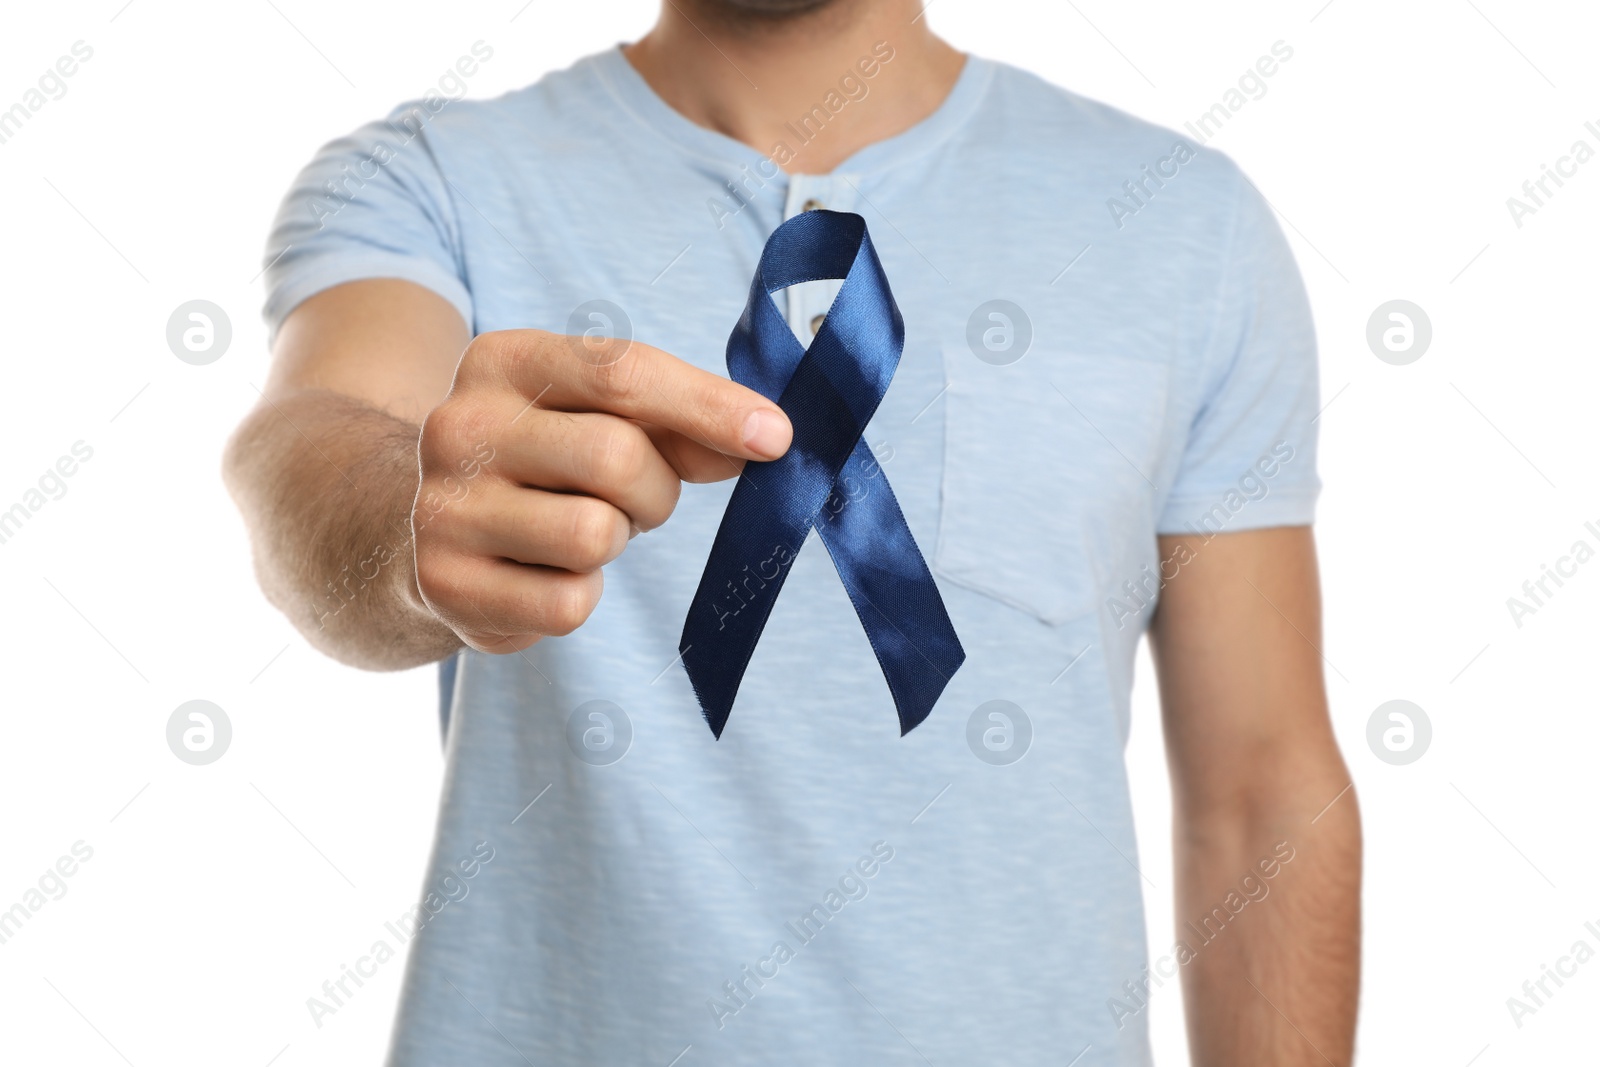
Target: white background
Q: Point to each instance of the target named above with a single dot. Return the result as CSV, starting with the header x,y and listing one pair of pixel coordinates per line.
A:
x,y
219,898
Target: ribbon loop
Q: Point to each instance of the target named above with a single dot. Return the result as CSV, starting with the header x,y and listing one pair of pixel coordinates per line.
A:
x,y
829,392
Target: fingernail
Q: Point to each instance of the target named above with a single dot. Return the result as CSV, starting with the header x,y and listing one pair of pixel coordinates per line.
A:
x,y
766,433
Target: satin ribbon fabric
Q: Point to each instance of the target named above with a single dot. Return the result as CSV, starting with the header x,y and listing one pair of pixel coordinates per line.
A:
x,y
828,480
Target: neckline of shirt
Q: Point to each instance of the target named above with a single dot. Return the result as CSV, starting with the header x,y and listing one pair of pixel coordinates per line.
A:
x,y
636,96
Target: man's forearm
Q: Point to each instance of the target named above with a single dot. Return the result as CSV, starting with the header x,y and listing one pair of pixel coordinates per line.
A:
x,y
1269,908
327,484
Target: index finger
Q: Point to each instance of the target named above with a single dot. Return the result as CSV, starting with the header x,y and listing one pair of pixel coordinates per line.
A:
x,y
640,381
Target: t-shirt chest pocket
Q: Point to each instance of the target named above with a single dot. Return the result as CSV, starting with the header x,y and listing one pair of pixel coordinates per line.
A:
x,y
1050,470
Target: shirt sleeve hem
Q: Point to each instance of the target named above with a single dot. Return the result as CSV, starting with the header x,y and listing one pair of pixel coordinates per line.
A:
x,y
284,298
1210,514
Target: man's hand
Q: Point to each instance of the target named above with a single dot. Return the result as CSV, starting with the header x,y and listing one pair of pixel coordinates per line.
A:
x,y
539,455
571,450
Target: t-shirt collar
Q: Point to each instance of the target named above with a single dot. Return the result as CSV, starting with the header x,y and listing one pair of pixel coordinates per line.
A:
x,y
638,98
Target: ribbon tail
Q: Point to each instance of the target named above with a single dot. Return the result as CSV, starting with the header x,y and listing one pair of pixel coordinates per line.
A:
x,y
749,562
893,592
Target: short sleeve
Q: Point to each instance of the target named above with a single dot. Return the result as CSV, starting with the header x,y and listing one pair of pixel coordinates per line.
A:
x,y
373,204
1250,457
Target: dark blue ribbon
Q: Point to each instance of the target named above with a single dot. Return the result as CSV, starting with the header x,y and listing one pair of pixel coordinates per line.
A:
x,y
828,480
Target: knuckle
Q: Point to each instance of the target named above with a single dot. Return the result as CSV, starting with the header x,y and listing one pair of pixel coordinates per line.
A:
x,y
593,535
616,454
714,398
452,429
568,606
625,379
668,506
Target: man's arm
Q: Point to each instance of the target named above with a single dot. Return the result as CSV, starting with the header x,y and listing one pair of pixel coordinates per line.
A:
x,y
1267,837
409,489
325,468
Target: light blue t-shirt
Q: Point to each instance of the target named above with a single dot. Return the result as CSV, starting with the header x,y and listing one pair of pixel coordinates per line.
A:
x,y
814,888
